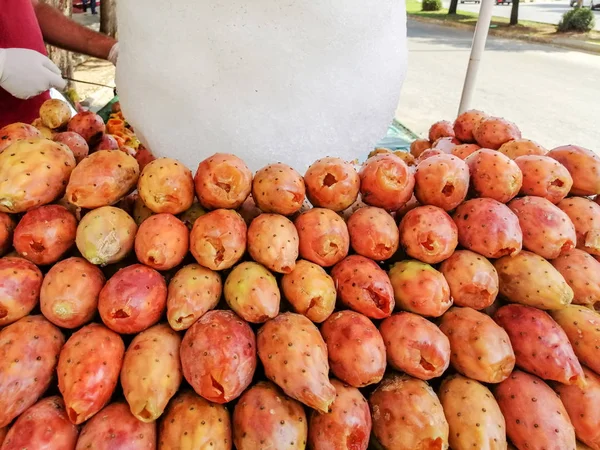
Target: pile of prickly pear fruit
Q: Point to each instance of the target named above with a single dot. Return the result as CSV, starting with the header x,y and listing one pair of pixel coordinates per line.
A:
x,y
442,298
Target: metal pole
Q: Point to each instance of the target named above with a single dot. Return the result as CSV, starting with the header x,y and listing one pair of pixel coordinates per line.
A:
x,y
479,39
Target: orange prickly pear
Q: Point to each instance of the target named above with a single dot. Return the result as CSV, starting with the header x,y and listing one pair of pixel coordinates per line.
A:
x,y
386,182
332,183
464,150
17,131
419,146
273,242
442,181
20,284
585,215
75,142
441,129
583,165
277,188
166,186
466,122
544,177
162,241
373,233
323,236
494,175
492,132
522,147
7,228
223,181
582,273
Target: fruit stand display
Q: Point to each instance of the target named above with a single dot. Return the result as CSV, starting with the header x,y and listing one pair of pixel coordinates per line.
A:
x,y
440,298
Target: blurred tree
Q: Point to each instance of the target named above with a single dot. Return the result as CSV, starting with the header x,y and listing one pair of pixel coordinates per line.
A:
x,y
108,17
62,58
514,14
453,6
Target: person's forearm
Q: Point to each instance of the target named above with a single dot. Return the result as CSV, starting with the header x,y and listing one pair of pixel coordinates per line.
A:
x,y
60,31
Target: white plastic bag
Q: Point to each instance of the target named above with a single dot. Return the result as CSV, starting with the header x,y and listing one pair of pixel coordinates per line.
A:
x,y
288,81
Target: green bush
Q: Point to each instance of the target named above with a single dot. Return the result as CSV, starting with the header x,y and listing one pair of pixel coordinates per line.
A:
x,y
432,5
578,19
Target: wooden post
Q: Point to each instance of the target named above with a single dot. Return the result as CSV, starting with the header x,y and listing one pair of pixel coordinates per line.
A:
x,y
61,58
108,17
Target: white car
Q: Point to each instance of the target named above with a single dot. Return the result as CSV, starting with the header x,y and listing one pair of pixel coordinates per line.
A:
x,y
467,1
592,4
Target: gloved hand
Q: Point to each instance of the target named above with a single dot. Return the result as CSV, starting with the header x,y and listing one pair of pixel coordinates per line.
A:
x,y
113,55
26,73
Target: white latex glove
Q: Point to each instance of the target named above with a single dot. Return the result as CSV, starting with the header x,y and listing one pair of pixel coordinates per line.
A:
x,y
26,73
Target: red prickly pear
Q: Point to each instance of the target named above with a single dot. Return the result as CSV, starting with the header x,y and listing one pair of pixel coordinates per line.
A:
x,y
265,417
464,150
415,346
481,349
407,415
531,280
583,165
488,227
252,292
535,417
364,287
218,239
7,228
473,415
582,326
218,356
494,175
108,142
582,273
355,348
44,234
310,291
69,294
386,182
585,215
20,284
441,129
294,356
373,233
222,181
540,345
547,230
33,173
116,428
133,299
442,181
17,131
445,144
162,241
420,288
89,125
332,183
466,122
279,189
166,186
273,242
192,292
428,154
492,132
544,177
143,156
88,370
151,372
419,146
29,349
427,233
522,147
323,236
249,211
190,422
75,142
102,179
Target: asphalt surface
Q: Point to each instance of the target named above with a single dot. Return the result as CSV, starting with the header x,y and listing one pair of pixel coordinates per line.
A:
x,y
552,94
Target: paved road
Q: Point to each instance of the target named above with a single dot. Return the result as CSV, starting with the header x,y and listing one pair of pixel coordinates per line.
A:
x,y
551,93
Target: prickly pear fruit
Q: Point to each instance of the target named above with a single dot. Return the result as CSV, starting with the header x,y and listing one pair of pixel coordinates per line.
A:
x,y
75,142
364,287
140,212
494,175
33,172
294,356
273,242
310,291
46,132
332,183
29,349
222,181
55,113
249,211
441,129
415,346
466,122
386,182
45,425
407,415
265,417
218,356
20,283
151,372
445,144
277,188
192,292
69,294
419,288
323,236
218,239
547,230
521,147
7,228
189,216
442,181
582,326
17,131
373,233
492,132
428,154
427,233
162,241
488,227
89,125
583,165
585,215
108,142
531,280
419,146
481,349
133,299
535,416
115,427
88,370
190,422
166,186
544,177
252,292
541,347
473,415
464,150
582,273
